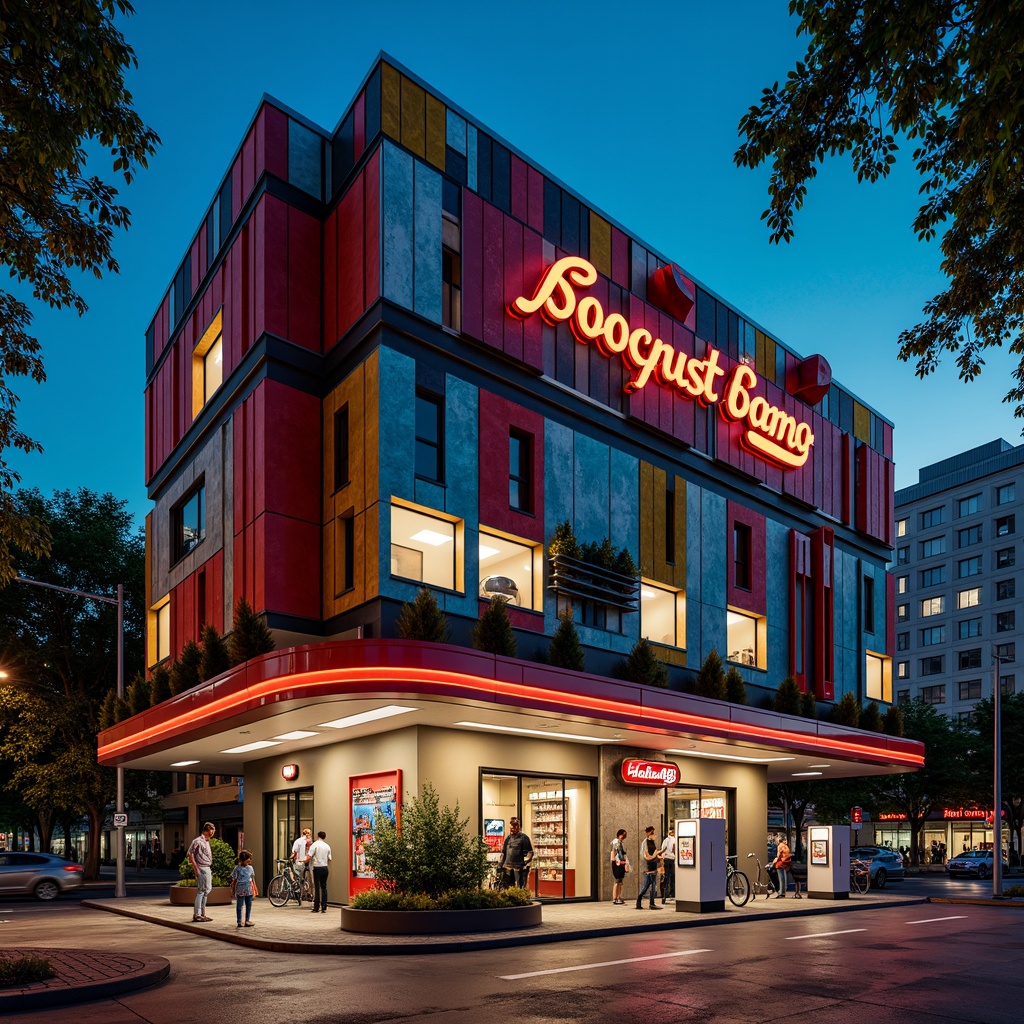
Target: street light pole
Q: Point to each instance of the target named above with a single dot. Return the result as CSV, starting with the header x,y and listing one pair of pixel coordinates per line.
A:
x,y
119,888
997,793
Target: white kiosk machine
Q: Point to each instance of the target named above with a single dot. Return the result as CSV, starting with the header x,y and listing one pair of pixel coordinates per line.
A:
x,y
700,865
828,862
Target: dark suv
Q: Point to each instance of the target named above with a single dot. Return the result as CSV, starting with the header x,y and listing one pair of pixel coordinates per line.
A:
x,y
37,874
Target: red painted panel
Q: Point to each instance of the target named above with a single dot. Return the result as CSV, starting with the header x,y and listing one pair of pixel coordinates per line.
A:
x,y
493,286
275,156
890,614
351,258
533,327
887,440
371,231
303,279
359,124
513,283
620,258
497,416
535,199
472,265
272,260
292,452
331,332
236,188
289,554
248,166
755,599
665,333
520,203
823,612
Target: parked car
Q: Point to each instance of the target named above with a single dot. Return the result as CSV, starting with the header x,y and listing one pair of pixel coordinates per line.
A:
x,y
37,874
974,862
884,865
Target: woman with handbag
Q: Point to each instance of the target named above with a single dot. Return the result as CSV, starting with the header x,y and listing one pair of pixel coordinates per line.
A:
x,y
620,865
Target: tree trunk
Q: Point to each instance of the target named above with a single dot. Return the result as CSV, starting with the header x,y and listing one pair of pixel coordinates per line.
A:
x,y
92,853
45,826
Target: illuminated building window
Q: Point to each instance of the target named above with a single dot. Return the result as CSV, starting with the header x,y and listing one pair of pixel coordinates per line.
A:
x,y
746,638
878,677
901,527
902,584
159,630
511,568
451,255
662,614
426,548
188,522
902,612
968,598
933,606
207,365
903,669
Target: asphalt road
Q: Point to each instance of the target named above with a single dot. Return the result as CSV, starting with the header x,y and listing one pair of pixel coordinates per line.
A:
x,y
905,965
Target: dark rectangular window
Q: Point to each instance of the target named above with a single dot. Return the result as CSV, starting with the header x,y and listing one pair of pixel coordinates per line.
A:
x,y
933,577
933,517
902,641
903,555
1007,685
902,696
933,635
933,694
349,539
520,476
968,628
741,539
1005,557
1007,652
670,525
968,506
198,781
970,689
429,437
966,537
341,443
226,779
869,604
1005,526
180,782
932,666
451,255
1004,494
1005,589
188,523
966,660
1006,622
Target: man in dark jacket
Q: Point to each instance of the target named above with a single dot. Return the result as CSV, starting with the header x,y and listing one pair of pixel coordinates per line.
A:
x,y
516,853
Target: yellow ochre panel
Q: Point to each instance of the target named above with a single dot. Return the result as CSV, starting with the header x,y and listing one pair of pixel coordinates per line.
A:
x,y
414,117
601,244
437,120
390,102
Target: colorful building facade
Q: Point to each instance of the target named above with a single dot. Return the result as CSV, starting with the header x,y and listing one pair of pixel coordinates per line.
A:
x,y
400,355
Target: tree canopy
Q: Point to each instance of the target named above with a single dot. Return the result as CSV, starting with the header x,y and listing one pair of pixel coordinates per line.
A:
x,y
62,99
945,77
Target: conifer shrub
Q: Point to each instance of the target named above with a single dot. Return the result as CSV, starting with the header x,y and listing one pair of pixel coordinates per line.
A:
x,y
735,688
892,721
249,634
642,666
710,681
493,630
185,670
423,620
808,705
788,697
214,657
870,718
846,712
565,650
160,685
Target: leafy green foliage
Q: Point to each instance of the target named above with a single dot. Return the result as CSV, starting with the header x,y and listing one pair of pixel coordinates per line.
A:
x,y
564,542
63,100
423,620
493,630
223,864
214,654
565,650
454,899
949,79
160,690
735,688
788,697
249,634
870,718
185,672
137,695
892,721
642,666
808,705
846,712
710,681
431,854
25,970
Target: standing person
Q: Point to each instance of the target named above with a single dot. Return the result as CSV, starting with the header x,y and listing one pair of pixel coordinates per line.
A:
x,y
516,852
200,856
668,853
319,859
783,861
620,865
651,854
243,881
300,850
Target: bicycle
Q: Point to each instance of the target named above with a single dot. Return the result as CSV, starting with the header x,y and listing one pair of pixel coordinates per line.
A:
x,y
284,886
737,885
860,876
762,885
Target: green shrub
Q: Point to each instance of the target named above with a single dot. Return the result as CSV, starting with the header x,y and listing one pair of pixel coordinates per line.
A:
x,y
214,657
249,634
735,688
1015,891
423,620
642,666
565,650
223,864
25,970
454,899
710,681
564,542
493,630
788,697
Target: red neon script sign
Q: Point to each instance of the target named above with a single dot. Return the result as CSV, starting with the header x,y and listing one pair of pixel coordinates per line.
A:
x,y
637,772
769,432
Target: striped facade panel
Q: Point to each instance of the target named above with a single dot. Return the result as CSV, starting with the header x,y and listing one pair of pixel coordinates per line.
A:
x,y
359,126
304,275
426,270
656,561
620,258
435,133
271,142
519,189
198,601
472,265
753,599
413,116
535,200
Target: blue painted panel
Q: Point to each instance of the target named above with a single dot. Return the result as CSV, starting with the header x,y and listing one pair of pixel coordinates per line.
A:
x,y
694,570
397,208
471,155
777,583
590,489
714,574
713,634
304,158
427,272
396,452
778,655
624,502
639,270
621,643
455,132
558,498
462,430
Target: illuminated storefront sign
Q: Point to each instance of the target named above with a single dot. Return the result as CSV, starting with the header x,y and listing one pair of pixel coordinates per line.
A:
x,y
769,432
637,772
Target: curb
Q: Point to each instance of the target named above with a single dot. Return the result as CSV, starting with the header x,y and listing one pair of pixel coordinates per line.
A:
x,y
991,901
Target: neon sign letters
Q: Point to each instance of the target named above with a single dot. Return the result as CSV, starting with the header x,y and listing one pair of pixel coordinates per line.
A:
x,y
768,431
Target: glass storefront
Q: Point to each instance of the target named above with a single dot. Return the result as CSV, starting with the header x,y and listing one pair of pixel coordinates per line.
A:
x,y
556,813
285,816
703,802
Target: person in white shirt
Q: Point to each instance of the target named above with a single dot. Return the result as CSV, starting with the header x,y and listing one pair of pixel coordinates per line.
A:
x,y
319,858
668,848
300,850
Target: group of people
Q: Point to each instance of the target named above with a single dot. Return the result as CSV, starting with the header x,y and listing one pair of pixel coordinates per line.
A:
x,y
660,863
307,854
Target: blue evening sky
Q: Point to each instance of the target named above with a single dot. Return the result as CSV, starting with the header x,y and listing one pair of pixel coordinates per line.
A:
x,y
633,106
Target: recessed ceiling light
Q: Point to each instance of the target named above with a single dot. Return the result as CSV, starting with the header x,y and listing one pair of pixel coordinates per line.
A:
x,y
297,734
183,764
246,747
532,732
366,716
819,766
485,551
432,538
797,775
730,757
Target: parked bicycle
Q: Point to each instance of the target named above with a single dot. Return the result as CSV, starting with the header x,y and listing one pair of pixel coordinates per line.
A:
x,y
860,876
284,886
737,885
762,884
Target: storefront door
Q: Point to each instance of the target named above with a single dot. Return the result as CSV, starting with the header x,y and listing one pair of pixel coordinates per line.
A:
x,y
703,802
285,816
556,813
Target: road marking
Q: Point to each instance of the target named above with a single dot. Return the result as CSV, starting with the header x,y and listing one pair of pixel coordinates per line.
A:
x,y
821,935
932,920
607,963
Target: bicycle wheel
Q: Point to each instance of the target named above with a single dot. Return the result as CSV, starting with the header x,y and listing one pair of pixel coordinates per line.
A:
x,y
737,888
279,891
859,880
307,888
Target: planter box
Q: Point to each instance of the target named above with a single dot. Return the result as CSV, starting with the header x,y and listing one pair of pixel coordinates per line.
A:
x,y
438,922
185,895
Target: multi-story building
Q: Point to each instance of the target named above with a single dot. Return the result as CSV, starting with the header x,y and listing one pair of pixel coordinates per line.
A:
x,y
399,355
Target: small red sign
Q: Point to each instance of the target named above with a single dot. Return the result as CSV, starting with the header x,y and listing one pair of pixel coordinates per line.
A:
x,y
638,772
856,816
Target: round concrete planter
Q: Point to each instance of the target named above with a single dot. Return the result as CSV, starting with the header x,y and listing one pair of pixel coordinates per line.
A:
x,y
185,895
438,922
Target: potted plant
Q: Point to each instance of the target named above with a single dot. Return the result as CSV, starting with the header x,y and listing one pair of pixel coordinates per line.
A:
x,y
183,892
429,878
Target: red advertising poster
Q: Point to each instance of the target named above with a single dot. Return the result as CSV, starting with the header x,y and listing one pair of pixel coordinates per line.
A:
x,y
371,795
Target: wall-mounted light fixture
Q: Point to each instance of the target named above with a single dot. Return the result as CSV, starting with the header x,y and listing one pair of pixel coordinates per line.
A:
x,y
290,772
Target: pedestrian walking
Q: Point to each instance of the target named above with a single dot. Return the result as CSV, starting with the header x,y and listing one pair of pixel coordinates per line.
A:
x,y
200,856
516,853
243,885
652,855
620,865
319,859
782,863
300,848
668,853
